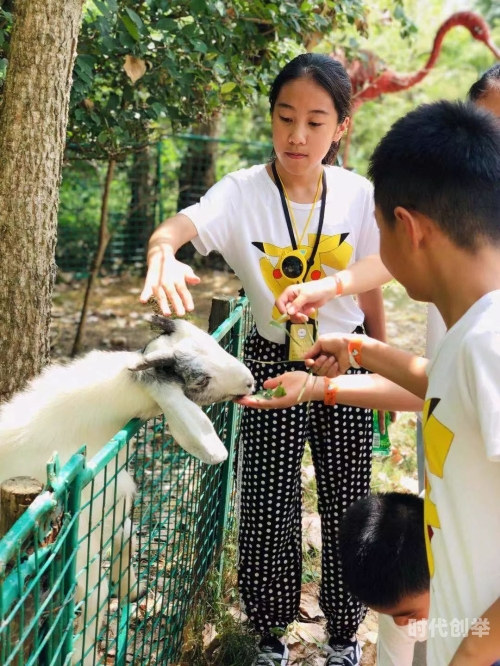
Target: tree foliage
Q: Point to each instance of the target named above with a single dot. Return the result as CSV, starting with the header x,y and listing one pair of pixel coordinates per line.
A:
x,y
461,61
141,63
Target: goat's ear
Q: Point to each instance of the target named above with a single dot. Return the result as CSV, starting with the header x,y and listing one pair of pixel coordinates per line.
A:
x,y
155,359
188,424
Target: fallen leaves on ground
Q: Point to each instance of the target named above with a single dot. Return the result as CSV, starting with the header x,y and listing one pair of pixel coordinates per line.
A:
x,y
309,603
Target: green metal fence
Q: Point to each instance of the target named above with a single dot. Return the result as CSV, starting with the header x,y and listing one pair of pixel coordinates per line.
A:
x,y
148,186
59,594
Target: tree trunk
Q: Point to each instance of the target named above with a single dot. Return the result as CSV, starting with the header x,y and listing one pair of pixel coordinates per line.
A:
x,y
197,173
104,238
33,121
141,214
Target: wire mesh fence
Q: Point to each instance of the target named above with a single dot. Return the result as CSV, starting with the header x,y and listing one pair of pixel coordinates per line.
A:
x,y
86,579
148,186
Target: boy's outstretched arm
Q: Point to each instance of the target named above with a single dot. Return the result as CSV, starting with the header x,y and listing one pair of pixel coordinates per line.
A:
x,y
402,368
481,648
369,391
364,275
167,278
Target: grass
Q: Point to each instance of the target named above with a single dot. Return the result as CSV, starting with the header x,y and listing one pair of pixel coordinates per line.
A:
x,y
311,564
213,635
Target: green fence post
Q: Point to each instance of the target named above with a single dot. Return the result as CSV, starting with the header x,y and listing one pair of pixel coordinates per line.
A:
x,y
71,548
229,440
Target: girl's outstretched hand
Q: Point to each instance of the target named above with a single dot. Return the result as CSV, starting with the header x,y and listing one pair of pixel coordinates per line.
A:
x,y
167,281
299,386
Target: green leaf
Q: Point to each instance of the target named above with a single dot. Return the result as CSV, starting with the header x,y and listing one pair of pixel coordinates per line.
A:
x,y
103,8
198,6
131,28
86,62
227,87
279,391
158,108
103,137
113,102
135,17
200,46
166,24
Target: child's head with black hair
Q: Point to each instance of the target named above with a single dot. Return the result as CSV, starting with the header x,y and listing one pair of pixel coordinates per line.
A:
x,y
383,555
436,175
485,92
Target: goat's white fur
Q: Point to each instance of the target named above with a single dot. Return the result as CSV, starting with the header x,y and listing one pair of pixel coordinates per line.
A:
x,y
88,401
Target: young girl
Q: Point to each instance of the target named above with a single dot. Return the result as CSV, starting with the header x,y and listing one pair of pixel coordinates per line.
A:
x,y
296,219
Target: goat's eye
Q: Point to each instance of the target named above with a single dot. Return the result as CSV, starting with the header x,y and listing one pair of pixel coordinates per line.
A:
x,y
201,382
165,370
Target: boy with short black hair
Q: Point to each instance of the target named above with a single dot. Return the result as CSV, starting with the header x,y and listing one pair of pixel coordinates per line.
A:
x,y
384,563
383,554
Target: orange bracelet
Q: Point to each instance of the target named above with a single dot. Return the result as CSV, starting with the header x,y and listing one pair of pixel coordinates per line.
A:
x,y
331,390
354,351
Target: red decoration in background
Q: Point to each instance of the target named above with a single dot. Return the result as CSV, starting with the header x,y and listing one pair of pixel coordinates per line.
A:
x,y
371,78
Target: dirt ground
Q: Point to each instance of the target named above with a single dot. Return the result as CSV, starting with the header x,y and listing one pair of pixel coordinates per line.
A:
x,y
115,318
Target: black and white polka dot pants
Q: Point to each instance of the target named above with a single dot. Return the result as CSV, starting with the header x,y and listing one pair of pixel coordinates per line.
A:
x,y
271,449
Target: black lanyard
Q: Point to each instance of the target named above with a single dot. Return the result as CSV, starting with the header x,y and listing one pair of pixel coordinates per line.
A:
x,y
293,240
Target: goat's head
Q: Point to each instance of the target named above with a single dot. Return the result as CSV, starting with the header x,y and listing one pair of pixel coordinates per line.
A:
x,y
186,355
183,368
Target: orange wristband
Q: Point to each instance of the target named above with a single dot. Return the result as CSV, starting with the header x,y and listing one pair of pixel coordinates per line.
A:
x,y
331,390
354,351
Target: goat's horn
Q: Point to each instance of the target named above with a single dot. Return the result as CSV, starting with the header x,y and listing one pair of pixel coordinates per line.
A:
x,y
153,360
166,324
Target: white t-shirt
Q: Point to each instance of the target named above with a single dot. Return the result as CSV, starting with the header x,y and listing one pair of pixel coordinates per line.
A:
x,y
241,217
436,328
461,426
396,644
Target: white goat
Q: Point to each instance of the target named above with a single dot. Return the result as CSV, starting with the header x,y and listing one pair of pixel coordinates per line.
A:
x,y
87,402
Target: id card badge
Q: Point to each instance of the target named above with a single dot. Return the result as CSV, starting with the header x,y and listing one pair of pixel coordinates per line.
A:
x,y
300,338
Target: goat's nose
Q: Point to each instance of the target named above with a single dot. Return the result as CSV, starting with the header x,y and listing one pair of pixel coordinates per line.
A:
x,y
250,384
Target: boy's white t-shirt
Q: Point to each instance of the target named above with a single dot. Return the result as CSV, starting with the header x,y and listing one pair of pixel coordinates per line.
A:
x,y
395,643
436,328
461,428
241,217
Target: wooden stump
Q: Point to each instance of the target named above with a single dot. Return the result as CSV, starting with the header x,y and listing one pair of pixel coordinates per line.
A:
x,y
15,497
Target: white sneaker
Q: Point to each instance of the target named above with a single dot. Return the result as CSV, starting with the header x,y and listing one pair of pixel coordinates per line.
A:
x,y
271,652
343,654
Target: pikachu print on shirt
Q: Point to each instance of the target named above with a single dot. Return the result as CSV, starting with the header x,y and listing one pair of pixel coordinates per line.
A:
x,y
437,443
284,266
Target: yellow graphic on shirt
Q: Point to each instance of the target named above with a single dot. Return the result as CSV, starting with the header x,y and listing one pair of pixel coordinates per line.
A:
x,y
437,442
333,251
